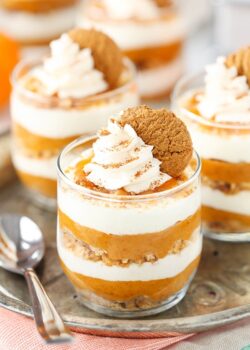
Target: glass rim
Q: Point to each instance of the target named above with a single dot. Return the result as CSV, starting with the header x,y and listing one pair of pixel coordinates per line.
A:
x,y
114,197
175,96
103,95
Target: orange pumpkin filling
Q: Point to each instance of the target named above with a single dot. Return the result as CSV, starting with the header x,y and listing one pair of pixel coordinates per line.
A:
x,y
225,220
39,145
133,247
121,291
155,56
228,172
36,6
80,178
45,186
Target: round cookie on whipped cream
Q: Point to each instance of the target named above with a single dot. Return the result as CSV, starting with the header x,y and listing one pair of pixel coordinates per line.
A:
x,y
122,161
82,63
226,95
107,56
139,151
167,133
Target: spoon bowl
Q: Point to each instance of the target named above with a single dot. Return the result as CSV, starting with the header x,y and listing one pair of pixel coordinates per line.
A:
x,y
22,243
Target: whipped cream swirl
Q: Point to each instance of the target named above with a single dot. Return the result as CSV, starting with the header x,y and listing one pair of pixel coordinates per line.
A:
x,y
122,160
69,72
227,96
126,9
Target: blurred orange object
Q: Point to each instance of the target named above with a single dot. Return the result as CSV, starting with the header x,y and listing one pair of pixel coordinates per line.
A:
x,y
8,59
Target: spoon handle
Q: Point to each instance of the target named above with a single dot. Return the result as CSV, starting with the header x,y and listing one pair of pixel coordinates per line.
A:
x,y
49,323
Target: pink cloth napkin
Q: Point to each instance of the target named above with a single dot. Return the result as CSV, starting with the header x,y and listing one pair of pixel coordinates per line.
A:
x,y
19,333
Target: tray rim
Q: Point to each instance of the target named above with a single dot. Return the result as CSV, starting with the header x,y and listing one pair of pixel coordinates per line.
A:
x,y
191,324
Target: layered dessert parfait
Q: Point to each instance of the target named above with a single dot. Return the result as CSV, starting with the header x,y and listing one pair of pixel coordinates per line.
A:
x,y
217,113
34,23
150,32
71,93
129,214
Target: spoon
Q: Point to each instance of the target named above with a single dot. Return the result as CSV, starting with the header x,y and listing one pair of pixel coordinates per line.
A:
x,y
21,250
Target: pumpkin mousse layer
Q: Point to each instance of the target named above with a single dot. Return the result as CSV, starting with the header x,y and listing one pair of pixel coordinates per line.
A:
x,y
146,58
217,170
37,145
36,6
136,248
70,93
38,184
128,231
225,221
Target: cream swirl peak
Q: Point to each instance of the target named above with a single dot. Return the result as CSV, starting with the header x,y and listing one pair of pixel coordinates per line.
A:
x,y
123,161
227,96
142,9
69,71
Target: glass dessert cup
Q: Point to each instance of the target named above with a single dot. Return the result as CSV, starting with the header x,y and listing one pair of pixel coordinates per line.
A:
x,y
128,255
224,151
154,45
42,126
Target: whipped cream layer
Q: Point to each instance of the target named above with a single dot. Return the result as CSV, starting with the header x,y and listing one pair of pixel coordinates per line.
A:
x,y
30,27
167,267
226,98
62,123
160,80
69,71
133,35
236,203
126,217
213,144
41,167
122,160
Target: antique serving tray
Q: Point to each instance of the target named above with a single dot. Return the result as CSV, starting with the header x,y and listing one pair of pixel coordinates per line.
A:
x,y
219,294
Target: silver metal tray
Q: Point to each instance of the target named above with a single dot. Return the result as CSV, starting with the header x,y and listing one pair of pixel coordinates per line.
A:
x,y
219,294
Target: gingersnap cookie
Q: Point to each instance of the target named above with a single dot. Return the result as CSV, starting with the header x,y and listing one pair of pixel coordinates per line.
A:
x,y
241,60
107,55
36,6
167,133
